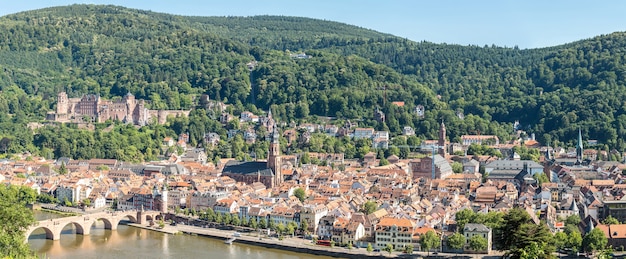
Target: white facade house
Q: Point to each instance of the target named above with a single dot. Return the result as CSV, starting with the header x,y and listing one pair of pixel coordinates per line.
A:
x,y
472,229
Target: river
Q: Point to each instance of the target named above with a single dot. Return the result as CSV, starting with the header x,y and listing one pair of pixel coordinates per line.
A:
x,y
131,242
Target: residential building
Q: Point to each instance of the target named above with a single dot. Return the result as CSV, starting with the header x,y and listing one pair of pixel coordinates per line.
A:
x,y
395,231
491,140
363,133
473,229
312,215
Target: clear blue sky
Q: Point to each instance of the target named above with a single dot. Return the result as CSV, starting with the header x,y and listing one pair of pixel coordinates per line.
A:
x,y
525,23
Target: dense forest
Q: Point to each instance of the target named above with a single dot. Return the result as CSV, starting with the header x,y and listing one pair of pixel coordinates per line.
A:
x,y
348,72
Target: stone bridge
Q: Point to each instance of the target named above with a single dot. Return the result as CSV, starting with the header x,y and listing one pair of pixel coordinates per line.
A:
x,y
83,223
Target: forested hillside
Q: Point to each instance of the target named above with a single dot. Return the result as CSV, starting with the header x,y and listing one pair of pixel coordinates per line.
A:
x,y
170,60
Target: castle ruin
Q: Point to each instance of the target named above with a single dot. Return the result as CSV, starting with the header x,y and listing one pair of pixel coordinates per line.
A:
x,y
92,108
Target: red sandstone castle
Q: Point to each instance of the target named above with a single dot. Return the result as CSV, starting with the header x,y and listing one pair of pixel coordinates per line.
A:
x,y
92,108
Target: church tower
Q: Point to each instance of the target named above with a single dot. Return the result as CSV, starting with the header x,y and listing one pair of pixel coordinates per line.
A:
x,y
273,158
579,148
164,194
442,140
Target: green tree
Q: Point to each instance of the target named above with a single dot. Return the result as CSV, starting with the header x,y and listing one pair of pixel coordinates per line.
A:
x,y
610,220
300,194
235,220
227,218
253,224
572,220
383,161
594,240
429,241
13,209
408,249
46,198
560,240
530,233
62,169
291,228
574,240
280,228
262,223
541,178
388,248
369,207
534,250
369,248
456,241
513,220
463,217
304,226
67,202
457,167
478,243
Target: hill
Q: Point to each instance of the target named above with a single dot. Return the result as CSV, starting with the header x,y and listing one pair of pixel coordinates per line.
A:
x,y
348,73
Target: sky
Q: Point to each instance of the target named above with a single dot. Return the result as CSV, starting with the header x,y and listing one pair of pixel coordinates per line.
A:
x,y
522,23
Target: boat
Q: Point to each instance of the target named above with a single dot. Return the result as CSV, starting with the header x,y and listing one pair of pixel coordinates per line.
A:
x,y
230,241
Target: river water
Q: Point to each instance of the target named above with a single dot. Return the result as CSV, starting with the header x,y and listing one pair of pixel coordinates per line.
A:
x,y
131,242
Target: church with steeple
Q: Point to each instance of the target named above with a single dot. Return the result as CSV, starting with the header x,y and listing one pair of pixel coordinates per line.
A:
x,y
268,172
441,143
273,157
579,148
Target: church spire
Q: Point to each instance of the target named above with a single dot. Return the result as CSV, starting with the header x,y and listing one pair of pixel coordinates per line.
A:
x,y
442,139
579,147
273,158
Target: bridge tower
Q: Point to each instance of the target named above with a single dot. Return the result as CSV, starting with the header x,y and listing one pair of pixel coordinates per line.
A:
x,y
140,215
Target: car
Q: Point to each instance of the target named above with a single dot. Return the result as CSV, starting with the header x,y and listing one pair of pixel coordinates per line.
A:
x,y
236,234
376,250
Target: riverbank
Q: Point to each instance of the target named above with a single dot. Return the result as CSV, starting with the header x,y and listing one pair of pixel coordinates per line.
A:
x,y
288,244
167,229
52,209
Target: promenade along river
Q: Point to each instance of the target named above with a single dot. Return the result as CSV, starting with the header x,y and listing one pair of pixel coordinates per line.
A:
x,y
131,242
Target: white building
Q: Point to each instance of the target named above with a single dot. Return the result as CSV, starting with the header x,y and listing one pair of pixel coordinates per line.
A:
x,y
395,231
472,229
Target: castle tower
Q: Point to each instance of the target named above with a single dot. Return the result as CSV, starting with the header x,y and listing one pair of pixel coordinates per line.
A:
x,y
62,103
273,158
442,140
130,101
579,148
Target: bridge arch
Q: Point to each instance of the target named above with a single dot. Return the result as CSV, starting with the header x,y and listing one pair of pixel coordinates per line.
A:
x,y
80,228
108,223
48,231
116,219
131,217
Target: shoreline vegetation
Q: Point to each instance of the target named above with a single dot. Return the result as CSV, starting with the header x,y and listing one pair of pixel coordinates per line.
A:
x,y
69,214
